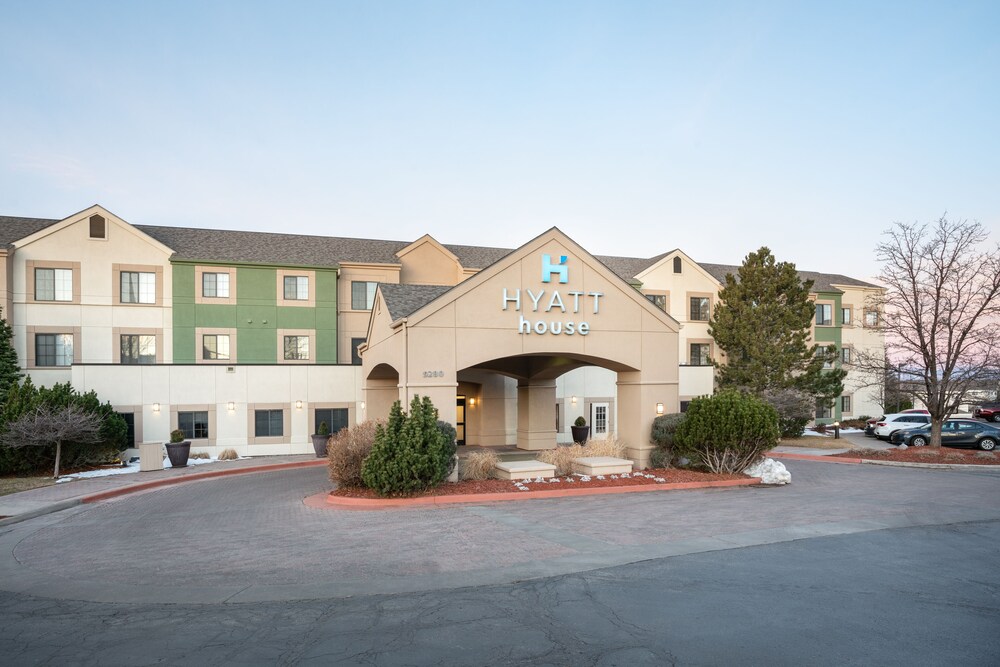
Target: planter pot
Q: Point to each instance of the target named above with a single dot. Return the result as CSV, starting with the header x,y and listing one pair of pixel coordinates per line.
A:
x,y
580,433
319,445
178,453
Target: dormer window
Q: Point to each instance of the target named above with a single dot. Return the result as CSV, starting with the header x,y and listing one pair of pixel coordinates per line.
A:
x,y
98,227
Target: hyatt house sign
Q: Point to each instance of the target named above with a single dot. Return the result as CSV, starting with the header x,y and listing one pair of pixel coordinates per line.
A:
x,y
546,301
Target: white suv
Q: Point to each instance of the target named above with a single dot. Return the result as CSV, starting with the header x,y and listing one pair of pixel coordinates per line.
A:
x,y
885,427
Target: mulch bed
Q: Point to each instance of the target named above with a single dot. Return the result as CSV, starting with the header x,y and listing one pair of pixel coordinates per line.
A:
x,y
925,455
669,475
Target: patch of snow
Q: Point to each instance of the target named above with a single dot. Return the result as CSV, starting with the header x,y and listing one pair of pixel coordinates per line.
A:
x,y
770,472
131,468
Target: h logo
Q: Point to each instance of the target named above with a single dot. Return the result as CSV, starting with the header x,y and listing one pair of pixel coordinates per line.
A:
x,y
548,268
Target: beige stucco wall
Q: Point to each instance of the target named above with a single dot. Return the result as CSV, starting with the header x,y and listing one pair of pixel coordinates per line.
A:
x,y
354,323
866,340
97,311
138,388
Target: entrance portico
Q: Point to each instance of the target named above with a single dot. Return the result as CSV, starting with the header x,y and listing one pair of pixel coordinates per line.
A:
x,y
511,331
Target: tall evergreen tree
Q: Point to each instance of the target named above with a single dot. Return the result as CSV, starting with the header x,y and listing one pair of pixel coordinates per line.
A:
x,y
10,371
762,323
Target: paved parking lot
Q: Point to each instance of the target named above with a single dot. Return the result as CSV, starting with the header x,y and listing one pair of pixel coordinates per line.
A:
x,y
250,538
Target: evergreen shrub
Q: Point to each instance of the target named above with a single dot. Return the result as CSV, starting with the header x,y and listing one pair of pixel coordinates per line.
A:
x,y
25,398
727,432
410,453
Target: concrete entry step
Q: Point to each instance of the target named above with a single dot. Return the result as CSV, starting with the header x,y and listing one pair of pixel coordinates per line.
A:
x,y
525,470
601,465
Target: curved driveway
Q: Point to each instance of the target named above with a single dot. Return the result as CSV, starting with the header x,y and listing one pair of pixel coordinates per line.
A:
x,y
250,538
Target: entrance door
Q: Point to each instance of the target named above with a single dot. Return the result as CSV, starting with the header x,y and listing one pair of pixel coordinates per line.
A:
x,y
130,423
599,421
460,420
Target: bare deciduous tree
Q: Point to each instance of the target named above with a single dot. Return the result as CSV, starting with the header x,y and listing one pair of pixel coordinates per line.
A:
x,y
940,312
53,426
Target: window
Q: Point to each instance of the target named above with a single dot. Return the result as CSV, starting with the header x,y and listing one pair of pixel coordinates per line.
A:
x,y
269,423
296,348
138,287
215,285
53,349
846,355
700,308
194,424
297,288
215,347
871,318
98,227
138,349
823,409
53,284
824,315
827,362
362,295
845,316
677,264
685,405
355,357
845,404
335,418
701,354
658,300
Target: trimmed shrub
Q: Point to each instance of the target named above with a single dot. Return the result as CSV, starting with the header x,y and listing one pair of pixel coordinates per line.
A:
x,y
27,398
480,465
660,458
199,455
228,454
664,427
410,453
451,444
727,432
347,451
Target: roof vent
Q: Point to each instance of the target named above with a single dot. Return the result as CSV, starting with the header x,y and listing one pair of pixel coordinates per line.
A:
x,y
98,227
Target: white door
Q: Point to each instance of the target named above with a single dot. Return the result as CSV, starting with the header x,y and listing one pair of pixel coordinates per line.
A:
x,y
598,421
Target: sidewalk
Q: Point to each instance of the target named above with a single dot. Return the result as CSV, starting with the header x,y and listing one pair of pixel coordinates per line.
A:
x,y
35,502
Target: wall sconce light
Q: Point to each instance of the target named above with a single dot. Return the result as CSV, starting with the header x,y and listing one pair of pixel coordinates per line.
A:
x,y
362,406
659,408
231,406
472,402
573,400
156,407
298,405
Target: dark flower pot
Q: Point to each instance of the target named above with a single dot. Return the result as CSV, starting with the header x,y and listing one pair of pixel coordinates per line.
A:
x,y
319,445
580,433
178,453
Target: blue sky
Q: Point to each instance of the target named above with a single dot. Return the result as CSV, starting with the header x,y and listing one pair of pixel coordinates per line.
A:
x,y
635,127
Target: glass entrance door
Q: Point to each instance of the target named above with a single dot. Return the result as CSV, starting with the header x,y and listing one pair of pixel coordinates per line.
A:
x,y
599,421
460,420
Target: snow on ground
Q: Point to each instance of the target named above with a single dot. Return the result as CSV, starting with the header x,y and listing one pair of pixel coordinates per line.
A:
x,y
129,469
829,431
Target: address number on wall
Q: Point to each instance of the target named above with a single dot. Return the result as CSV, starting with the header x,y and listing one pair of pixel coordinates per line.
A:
x,y
433,374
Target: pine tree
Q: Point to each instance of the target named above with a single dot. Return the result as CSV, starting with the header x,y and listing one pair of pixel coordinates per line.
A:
x,y
762,323
10,371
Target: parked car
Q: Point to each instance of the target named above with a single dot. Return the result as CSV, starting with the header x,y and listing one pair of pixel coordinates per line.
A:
x,y
988,411
889,424
870,424
954,433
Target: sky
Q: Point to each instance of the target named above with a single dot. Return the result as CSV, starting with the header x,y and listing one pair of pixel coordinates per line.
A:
x,y
635,127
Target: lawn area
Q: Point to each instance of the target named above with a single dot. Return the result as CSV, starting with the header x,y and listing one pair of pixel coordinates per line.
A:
x,y
817,442
10,485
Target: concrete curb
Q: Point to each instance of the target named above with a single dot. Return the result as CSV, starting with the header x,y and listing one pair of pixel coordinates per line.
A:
x,y
896,464
144,486
327,501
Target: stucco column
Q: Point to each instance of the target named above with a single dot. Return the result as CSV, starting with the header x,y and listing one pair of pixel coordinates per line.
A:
x,y
637,399
442,395
536,417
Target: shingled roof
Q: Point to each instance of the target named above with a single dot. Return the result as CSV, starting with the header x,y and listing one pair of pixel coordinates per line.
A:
x,y
403,300
13,229
223,245
822,282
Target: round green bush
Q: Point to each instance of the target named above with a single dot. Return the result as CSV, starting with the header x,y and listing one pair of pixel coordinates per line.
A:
x,y
726,432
